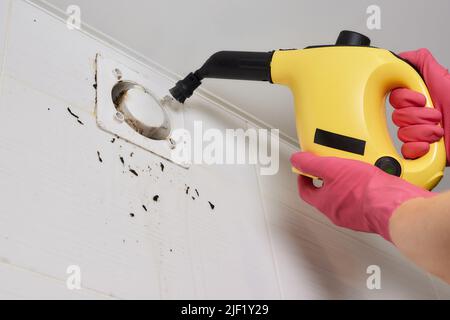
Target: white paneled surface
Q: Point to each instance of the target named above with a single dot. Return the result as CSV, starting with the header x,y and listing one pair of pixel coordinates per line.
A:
x,y
13,278
67,199
4,13
233,256
442,289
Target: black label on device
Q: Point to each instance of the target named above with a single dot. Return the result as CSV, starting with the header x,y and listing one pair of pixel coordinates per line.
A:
x,y
340,142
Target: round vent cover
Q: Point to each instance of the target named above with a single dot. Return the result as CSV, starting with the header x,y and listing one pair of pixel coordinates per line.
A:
x,y
141,110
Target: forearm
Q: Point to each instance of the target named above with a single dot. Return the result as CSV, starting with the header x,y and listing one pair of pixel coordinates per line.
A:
x,y
420,228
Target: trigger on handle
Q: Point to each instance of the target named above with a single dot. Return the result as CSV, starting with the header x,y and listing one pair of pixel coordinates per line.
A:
x,y
317,182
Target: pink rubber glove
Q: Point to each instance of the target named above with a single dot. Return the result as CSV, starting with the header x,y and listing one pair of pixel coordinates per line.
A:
x,y
354,195
418,124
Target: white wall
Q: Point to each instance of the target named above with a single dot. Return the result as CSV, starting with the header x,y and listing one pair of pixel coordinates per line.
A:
x,y
60,206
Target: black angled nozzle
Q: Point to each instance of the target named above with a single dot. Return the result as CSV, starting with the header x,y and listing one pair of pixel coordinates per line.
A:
x,y
239,65
185,88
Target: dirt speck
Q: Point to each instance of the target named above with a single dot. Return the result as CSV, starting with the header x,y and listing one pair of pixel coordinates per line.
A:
x,y
132,215
211,205
156,198
131,155
134,172
198,194
144,207
162,166
122,160
75,116
72,114
99,157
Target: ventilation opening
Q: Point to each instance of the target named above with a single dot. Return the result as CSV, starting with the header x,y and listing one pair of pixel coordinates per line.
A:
x,y
143,112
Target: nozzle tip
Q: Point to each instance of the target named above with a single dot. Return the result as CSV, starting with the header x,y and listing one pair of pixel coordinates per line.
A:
x,y
185,88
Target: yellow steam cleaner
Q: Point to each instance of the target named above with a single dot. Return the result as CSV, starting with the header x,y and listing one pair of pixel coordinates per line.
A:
x,y
339,92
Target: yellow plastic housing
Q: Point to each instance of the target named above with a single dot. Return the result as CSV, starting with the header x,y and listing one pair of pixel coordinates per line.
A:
x,y
343,90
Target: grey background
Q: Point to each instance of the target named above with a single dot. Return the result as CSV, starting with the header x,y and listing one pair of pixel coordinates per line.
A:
x,y
180,35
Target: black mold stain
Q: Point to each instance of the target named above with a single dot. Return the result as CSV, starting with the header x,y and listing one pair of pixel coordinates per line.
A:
x,y
99,156
145,208
132,215
122,160
134,172
198,194
96,81
187,190
211,205
113,140
193,198
48,109
131,155
162,166
171,250
156,198
73,114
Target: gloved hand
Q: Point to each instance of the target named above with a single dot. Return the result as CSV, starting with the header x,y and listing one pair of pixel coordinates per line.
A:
x,y
418,124
354,195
